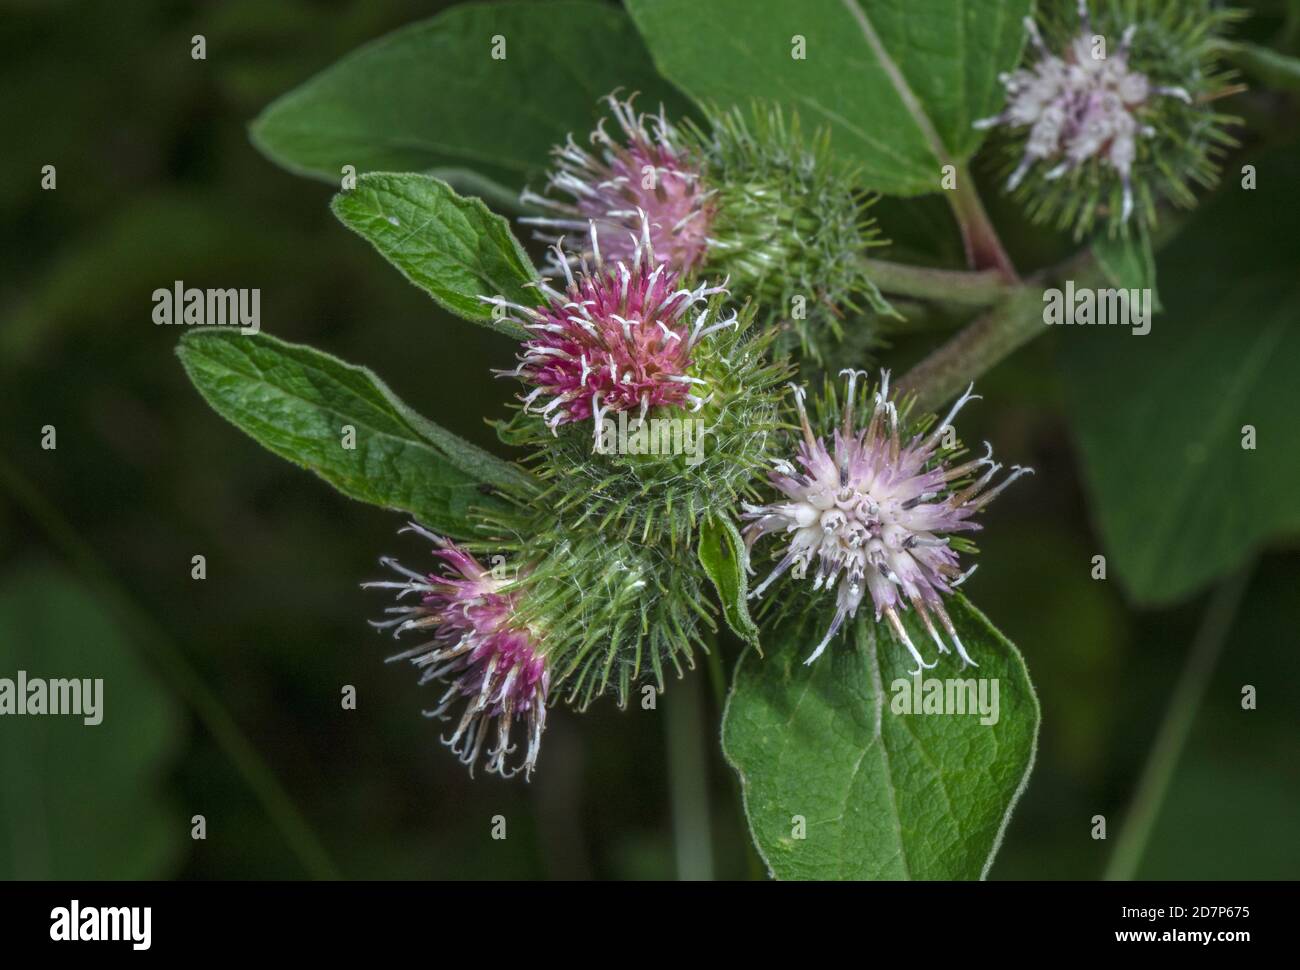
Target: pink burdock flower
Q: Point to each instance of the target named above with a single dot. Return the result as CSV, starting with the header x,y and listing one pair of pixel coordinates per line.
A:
x,y
647,171
488,661
1084,104
619,338
881,513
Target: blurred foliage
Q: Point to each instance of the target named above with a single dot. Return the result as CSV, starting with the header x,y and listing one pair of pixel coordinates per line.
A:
x,y
82,800
157,182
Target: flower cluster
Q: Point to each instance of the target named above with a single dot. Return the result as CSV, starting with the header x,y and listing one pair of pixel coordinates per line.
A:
x,y
750,200
878,510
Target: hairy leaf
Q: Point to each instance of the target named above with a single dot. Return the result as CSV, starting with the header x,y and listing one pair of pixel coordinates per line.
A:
x,y
433,95
454,249
842,782
298,403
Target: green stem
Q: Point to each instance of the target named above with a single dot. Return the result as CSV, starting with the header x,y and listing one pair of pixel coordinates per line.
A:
x,y
989,339
972,351
1176,726
183,677
984,249
979,288
688,780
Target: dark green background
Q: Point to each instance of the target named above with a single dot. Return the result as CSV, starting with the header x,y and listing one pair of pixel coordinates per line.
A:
x,y
157,182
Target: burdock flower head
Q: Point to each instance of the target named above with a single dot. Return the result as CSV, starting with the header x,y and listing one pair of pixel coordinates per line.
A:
x,y
1098,129
491,663
620,337
649,402
644,170
879,512
745,197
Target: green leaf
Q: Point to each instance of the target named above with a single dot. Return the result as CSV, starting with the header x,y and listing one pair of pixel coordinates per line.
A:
x,y
432,96
722,554
83,801
1128,262
454,249
883,793
296,402
1159,418
899,82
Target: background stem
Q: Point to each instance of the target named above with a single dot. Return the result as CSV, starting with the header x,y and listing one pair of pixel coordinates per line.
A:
x,y
688,781
1174,729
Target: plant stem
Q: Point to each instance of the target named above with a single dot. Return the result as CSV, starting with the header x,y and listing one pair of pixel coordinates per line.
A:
x,y
962,287
1176,726
974,350
171,661
688,781
983,247
989,339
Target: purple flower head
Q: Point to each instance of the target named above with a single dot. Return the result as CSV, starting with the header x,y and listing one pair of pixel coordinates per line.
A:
x,y
476,647
1079,106
879,512
646,171
619,338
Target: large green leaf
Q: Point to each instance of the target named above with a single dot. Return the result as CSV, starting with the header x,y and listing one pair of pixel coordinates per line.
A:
x,y
883,794
431,96
296,402
454,249
1159,418
83,801
899,82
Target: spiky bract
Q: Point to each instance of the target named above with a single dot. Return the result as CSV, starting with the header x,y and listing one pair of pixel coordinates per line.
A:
x,y
791,226
649,476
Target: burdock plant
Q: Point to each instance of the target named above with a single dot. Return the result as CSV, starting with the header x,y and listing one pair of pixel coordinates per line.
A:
x,y
705,266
